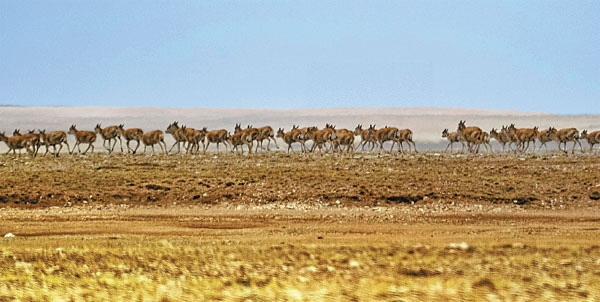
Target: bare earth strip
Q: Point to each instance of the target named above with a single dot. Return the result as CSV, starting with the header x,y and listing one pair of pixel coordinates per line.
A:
x,y
287,227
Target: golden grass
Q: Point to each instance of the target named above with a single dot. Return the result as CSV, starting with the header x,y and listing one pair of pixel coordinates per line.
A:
x,y
186,269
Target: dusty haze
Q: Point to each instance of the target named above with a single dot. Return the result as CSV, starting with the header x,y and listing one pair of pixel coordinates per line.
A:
x,y
426,123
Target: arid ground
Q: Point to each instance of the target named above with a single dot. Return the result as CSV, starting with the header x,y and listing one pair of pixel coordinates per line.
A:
x,y
273,226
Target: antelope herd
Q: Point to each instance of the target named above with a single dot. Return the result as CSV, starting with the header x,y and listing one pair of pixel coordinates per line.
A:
x,y
309,139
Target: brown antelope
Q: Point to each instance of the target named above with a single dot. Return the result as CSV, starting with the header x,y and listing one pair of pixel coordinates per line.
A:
x,y
17,142
152,138
501,137
108,134
452,138
247,137
131,134
267,133
32,137
523,136
321,137
218,137
366,137
178,136
302,136
472,135
544,138
485,141
239,139
52,139
404,135
563,136
386,134
344,137
293,136
592,138
82,137
194,138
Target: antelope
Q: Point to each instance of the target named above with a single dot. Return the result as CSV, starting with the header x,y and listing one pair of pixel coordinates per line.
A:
x,y
194,138
131,134
501,137
248,136
485,140
52,139
82,137
563,136
543,137
15,143
108,134
386,134
345,137
152,138
267,133
366,136
321,137
217,137
32,137
302,136
177,134
292,136
405,135
522,136
592,138
471,135
241,138
453,137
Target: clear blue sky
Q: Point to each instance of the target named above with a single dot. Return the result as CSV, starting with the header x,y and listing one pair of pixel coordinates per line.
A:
x,y
525,55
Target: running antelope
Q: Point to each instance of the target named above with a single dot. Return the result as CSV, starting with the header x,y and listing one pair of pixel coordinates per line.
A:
x,y
194,138
501,137
52,139
108,134
32,137
302,136
177,134
366,137
152,138
592,138
523,136
386,134
472,135
267,133
563,136
544,137
247,137
82,137
131,134
344,137
453,137
239,139
15,143
218,137
292,136
405,135
321,137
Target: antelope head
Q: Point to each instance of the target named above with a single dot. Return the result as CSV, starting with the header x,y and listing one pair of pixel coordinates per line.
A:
x,y
72,130
280,132
445,133
98,128
17,132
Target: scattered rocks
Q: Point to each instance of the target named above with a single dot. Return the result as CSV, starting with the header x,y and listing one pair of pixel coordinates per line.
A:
x,y
595,195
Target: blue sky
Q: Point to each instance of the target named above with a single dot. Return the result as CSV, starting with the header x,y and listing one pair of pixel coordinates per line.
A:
x,y
524,55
